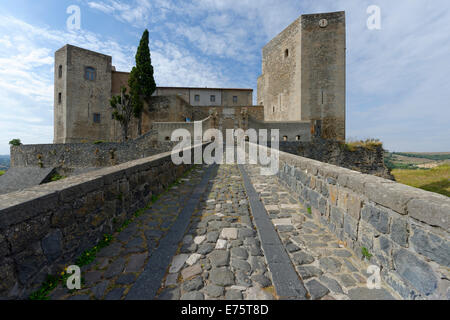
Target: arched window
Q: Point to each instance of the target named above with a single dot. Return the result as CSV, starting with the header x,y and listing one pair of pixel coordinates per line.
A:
x,y
89,73
285,138
60,71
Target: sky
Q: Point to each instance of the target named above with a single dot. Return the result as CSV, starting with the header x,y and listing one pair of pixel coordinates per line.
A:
x,y
398,87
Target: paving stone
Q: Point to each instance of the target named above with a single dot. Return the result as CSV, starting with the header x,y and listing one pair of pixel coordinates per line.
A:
x,y
262,280
240,253
212,236
302,258
255,251
221,244
115,268
284,229
362,293
112,250
221,277
193,258
290,247
219,258
92,277
347,280
136,262
194,295
214,291
198,240
307,272
189,248
194,284
282,222
128,278
115,294
255,293
241,265
330,264
188,239
331,284
79,297
236,243
170,294
342,253
245,233
229,233
233,294
171,279
191,271
242,279
205,248
99,289
316,289
178,263
350,266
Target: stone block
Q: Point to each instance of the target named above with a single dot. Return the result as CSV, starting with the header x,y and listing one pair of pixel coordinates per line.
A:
x,y
431,209
416,271
342,199
333,192
52,245
399,231
432,246
354,205
351,226
389,194
337,217
27,232
378,218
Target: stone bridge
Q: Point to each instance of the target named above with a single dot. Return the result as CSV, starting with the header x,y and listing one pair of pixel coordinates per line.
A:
x,y
227,232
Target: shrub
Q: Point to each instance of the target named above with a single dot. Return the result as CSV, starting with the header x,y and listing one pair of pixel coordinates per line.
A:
x,y
15,142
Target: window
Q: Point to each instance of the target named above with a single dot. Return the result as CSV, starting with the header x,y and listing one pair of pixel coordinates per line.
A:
x,y
285,138
96,117
59,98
89,73
297,138
197,97
286,53
213,99
60,72
273,109
235,99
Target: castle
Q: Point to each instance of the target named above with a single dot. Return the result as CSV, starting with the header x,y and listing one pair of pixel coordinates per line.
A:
x,y
301,90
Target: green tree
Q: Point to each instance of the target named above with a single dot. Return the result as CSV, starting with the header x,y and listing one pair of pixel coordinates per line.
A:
x,y
141,82
123,110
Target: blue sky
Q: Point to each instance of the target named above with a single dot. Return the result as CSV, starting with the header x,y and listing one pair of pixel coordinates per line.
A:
x,y
398,87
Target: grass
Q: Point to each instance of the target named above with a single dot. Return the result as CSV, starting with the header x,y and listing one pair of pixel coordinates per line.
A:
x,y
370,144
435,180
366,253
2,172
57,177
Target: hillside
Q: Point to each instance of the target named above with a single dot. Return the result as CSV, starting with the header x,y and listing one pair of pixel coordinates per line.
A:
x,y
4,162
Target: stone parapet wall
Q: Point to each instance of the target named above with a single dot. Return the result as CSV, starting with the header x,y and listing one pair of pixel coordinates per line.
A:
x,y
80,155
406,230
44,228
361,159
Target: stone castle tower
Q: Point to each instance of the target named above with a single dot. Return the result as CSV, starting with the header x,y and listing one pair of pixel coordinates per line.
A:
x,y
303,74
82,93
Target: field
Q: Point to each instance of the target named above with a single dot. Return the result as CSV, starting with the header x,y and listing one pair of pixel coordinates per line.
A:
x,y
427,171
2,172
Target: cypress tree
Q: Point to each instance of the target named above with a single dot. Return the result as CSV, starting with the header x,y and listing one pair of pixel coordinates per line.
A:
x,y
141,82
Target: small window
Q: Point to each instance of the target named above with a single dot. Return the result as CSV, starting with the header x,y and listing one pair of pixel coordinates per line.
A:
x,y
197,98
167,139
60,72
96,117
297,138
286,53
235,99
213,98
285,138
89,74
59,98
273,109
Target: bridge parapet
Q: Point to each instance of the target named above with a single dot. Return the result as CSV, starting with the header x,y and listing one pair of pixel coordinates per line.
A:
x,y
45,227
401,229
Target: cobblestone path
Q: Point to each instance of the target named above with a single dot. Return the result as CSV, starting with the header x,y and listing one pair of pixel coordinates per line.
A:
x,y
218,247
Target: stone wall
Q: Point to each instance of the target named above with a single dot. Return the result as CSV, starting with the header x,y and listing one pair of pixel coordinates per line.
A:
x,y
44,228
365,160
80,155
404,228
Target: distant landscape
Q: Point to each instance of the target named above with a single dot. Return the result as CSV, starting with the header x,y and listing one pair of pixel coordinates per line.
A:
x,y
4,163
427,171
